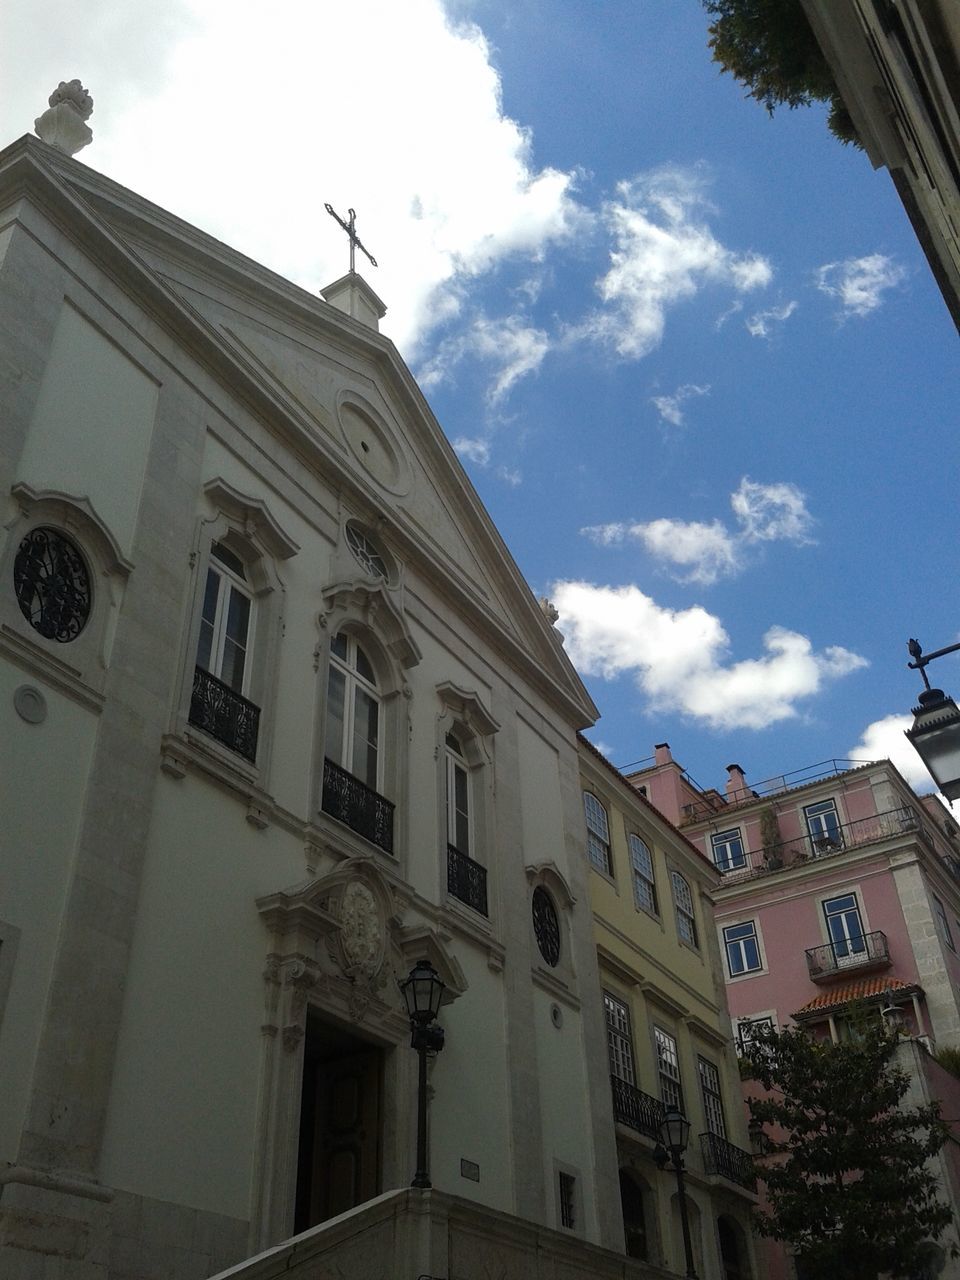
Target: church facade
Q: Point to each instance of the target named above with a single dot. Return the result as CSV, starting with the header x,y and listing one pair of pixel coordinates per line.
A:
x,y
283,720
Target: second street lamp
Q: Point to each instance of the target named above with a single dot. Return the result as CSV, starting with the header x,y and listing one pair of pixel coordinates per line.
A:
x,y
935,734
674,1135
422,992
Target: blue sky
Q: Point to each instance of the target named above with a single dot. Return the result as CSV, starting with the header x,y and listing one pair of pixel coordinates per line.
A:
x,y
691,356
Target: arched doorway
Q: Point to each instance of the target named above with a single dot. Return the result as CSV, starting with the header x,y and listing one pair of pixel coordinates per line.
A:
x,y
634,1194
733,1249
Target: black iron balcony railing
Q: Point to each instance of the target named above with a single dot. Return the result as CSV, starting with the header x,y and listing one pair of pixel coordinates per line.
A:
x,y
466,879
723,1158
358,806
224,714
863,951
636,1109
851,835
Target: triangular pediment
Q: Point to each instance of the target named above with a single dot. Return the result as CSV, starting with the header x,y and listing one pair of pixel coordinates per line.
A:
x,y
339,392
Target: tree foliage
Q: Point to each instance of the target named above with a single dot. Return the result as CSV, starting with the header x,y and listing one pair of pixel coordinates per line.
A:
x,y
845,1165
769,46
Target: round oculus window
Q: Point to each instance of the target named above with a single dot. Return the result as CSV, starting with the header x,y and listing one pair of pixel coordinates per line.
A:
x,y
366,552
546,926
52,584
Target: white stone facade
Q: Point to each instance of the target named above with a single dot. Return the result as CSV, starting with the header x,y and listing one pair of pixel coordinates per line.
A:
x,y
196,912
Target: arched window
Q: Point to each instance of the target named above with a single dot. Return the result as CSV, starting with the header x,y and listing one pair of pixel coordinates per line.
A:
x,y
353,711
683,901
226,620
733,1248
459,817
598,833
644,885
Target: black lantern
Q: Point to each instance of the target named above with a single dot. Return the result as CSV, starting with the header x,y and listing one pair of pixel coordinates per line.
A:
x,y
422,992
674,1136
936,737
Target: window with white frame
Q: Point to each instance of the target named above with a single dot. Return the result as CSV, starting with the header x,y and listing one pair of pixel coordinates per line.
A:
x,y
459,830
943,924
598,833
641,867
845,927
747,1029
353,711
823,826
683,901
742,947
668,1069
619,1039
226,620
712,1099
728,852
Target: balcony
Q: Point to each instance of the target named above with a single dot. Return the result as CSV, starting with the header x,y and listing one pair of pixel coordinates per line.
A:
x,y
222,713
357,806
466,880
854,955
722,1158
804,849
635,1109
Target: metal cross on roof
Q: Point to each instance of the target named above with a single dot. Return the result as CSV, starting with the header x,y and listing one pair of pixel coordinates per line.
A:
x,y
350,228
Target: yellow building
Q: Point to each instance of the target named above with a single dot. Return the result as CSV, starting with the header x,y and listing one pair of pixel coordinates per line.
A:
x,y
668,1030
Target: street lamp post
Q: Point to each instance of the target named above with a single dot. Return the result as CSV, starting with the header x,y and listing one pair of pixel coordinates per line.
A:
x,y
674,1135
935,734
422,993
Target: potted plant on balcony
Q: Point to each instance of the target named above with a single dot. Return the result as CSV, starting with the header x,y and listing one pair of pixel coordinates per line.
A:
x,y
771,839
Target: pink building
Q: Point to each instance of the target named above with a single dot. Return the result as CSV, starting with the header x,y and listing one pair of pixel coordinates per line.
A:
x,y
840,890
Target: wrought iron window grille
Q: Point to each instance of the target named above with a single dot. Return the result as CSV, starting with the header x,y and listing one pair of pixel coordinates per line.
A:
x,y
224,714
466,880
636,1109
357,806
723,1158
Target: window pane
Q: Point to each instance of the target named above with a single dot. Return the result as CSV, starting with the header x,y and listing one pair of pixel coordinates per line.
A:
x,y
238,617
336,689
460,814
619,1042
338,645
364,668
668,1065
233,665
233,562
366,713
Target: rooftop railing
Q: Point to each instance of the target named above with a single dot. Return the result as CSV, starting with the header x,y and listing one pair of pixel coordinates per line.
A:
x,y
808,848
713,802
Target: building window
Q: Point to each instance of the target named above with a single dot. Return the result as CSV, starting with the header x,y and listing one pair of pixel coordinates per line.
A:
x,y
746,1031
619,1040
943,924
353,712
728,852
226,620
52,584
844,927
644,885
366,552
567,1198
823,826
546,925
742,947
683,901
598,833
458,796
668,1069
712,1100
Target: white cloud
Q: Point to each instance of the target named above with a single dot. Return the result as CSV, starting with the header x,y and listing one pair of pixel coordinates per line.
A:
x,y
859,283
763,324
670,408
679,658
477,450
663,253
512,347
510,476
764,512
771,512
884,740
245,131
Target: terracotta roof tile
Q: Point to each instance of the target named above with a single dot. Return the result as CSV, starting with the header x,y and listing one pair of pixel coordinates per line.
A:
x,y
851,991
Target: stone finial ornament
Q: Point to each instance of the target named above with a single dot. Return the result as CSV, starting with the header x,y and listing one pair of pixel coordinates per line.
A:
x,y
549,610
63,125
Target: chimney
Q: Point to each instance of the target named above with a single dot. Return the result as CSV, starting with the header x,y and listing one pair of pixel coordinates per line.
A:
x,y
736,782
661,754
